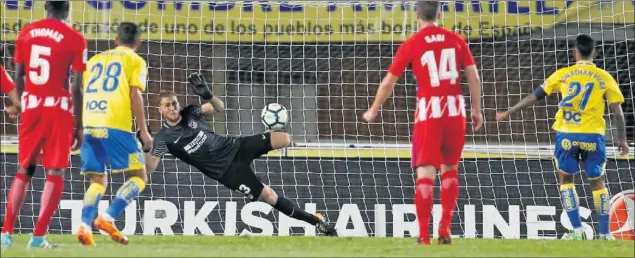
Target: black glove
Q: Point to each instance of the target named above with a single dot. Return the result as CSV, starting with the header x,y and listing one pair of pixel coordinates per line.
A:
x,y
197,83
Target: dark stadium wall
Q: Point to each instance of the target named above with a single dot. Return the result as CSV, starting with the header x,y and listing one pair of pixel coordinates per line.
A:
x,y
498,198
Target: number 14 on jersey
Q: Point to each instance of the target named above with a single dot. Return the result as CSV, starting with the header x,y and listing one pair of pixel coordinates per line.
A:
x,y
445,70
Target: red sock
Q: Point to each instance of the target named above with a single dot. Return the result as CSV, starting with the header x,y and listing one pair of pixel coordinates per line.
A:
x,y
17,193
424,199
449,194
51,196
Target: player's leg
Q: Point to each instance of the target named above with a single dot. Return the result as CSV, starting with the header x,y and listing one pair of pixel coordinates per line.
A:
x,y
291,209
426,159
15,199
594,166
93,159
257,145
56,150
28,155
49,201
240,177
449,195
452,148
571,204
127,193
601,202
92,196
566,161
424,200
125,155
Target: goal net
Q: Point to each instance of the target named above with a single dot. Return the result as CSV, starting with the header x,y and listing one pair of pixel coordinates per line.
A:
x,y
323,61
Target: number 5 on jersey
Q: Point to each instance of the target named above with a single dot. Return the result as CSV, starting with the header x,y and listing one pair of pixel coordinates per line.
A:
x,y
36,61
110,82
446,70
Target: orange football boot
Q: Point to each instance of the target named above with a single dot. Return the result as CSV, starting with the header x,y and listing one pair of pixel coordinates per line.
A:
x,y
110,228
85,236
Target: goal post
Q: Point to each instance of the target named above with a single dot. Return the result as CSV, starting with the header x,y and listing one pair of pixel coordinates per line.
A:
x,y
323,61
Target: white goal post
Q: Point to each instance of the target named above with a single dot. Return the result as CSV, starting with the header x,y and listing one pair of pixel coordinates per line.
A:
x,y
323,61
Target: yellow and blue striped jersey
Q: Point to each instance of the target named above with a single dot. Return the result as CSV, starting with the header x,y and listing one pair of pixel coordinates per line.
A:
x,y
583,87
110,76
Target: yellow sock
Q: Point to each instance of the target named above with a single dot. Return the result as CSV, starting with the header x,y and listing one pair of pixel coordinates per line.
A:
x,y
571,205
91,201
601,199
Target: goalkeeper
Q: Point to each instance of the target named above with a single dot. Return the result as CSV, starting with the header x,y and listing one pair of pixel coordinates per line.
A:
x,y
580,130
185,135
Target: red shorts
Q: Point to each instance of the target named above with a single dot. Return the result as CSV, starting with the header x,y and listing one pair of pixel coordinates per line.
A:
x,y
47,133
437,142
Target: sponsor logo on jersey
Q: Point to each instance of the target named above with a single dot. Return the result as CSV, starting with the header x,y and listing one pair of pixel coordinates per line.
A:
x,y
195,144
566,144
101,133
97,105
572,117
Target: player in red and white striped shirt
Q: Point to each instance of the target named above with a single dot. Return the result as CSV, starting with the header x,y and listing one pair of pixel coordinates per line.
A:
x,y
45,51
436,55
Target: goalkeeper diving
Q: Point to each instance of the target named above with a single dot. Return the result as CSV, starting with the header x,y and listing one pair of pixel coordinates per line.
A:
x,y
580,129
187,136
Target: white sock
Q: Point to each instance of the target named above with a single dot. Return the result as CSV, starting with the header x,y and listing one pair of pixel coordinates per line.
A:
x,y
107,217
87,226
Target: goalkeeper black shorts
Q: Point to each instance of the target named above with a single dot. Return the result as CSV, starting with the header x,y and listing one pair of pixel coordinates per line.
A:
x,y
239,176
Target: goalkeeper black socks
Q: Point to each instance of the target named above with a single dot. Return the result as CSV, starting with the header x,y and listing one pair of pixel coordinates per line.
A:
x,y
292,210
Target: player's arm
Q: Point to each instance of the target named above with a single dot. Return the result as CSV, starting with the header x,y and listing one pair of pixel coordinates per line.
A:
x,y
80,57
8,87
136,103
212,104
159,148
474,83
615,98
384,91
18,74
620,123
78,98
551,85
137,84
7,83
152,162
18,79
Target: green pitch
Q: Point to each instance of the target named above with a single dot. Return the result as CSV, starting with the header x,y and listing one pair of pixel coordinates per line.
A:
x,y
218,246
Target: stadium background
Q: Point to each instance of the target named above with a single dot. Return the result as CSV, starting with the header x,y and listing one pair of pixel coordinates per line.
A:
x,y
327,84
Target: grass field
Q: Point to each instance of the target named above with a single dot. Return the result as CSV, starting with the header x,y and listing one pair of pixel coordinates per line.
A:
x,y
191,246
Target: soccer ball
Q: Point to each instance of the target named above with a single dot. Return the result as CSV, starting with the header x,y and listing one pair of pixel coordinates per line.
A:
x,y
274,116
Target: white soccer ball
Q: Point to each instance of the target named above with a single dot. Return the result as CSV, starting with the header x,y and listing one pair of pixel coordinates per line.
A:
x,y
274,116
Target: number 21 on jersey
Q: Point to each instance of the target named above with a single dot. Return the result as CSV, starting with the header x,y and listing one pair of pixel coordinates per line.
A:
x,y
445,70
110,80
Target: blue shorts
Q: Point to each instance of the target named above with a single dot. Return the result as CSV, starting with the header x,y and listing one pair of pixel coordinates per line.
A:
x,y
572,148
119,149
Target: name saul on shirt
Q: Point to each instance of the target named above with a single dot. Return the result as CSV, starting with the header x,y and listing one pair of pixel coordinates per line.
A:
x,y
195,144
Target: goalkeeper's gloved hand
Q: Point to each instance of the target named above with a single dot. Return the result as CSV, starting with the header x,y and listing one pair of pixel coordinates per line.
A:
x,y
197,83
